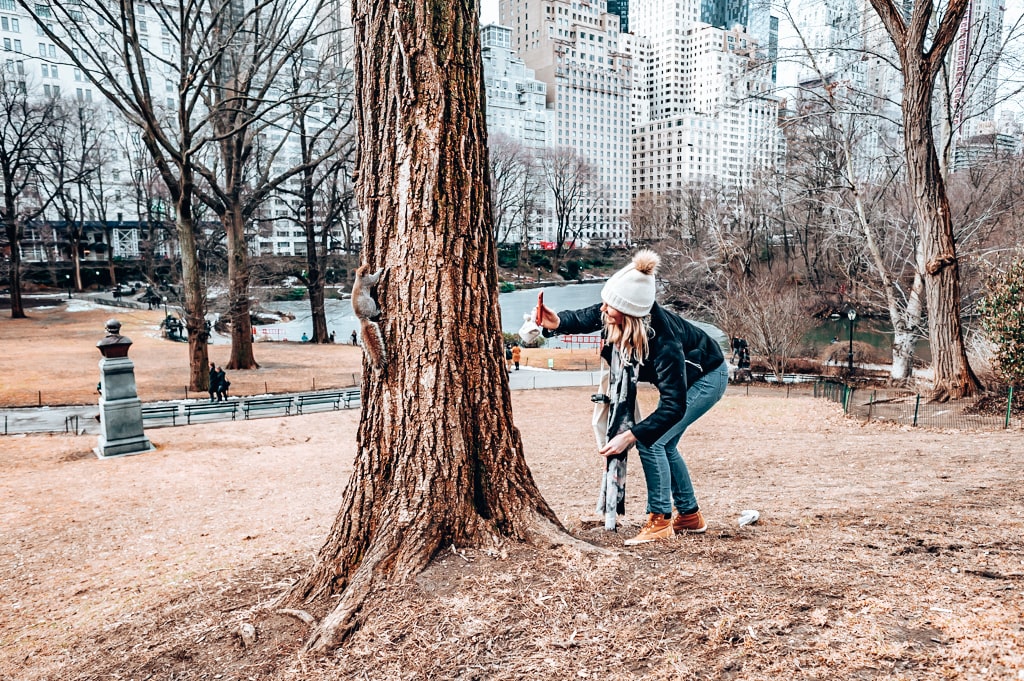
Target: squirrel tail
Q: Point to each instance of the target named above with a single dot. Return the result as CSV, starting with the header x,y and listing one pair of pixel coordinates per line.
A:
x,y
373,342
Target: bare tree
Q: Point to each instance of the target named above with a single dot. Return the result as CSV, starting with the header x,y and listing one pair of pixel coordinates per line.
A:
x,y
252,53
23,123
104,42
323,132
439,460
73,155
515,191
770,314
572,183
922,40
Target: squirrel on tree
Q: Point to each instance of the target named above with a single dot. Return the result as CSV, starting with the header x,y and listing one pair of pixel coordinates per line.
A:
x,y
366,310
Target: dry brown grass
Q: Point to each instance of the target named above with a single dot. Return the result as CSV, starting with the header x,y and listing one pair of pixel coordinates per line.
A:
x,y
882,553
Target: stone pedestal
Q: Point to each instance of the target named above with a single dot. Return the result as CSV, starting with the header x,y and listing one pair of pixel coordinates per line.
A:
x,y
120,407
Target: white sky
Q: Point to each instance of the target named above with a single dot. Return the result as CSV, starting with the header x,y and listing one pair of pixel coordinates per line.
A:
x,y
488,12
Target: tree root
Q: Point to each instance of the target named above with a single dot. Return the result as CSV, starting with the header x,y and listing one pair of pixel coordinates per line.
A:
x,y
545,530
338,624
298,614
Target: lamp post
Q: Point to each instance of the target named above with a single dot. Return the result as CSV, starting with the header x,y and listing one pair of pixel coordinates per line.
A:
x,y
67,280
165,317
851,314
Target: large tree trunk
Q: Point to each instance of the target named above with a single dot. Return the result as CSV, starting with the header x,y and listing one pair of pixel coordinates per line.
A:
x,y
193,294
14,241
953,376
238,291
439,460
315,275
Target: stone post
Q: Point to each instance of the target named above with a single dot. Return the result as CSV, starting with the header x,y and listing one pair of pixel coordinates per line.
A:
x,y
120,407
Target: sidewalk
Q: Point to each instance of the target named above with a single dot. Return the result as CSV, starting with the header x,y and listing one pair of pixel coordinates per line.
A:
x,y
84,419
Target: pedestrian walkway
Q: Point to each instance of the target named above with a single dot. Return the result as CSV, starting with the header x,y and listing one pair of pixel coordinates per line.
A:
x,y
84,419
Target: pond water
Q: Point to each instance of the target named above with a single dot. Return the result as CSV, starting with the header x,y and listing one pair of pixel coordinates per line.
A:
x,y
515,304
875,332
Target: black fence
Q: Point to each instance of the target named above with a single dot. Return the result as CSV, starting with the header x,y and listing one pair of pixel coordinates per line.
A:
x,y
996,410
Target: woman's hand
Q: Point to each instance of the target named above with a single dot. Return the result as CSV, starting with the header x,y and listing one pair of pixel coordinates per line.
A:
x,y
545,316
618,444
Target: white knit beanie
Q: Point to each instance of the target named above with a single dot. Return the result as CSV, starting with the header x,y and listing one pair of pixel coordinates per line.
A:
x,y
631,290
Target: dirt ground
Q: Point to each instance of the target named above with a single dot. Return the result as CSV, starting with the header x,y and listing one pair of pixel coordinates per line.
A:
x,y
881,553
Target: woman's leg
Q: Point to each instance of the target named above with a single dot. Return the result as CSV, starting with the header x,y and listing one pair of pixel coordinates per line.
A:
x,y
701,396
657,476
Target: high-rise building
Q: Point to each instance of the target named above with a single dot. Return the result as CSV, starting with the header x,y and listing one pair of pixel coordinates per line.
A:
x,y
620,8
706,113
846,70
847,46
575,48
516,100
975,56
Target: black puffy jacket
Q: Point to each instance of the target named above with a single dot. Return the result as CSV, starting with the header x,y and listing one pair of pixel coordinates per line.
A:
x,y
680,354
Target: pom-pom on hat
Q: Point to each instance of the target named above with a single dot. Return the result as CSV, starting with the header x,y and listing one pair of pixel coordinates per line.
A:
x,y
631,290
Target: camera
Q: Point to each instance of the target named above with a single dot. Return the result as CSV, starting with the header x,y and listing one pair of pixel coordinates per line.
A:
x,y
600,398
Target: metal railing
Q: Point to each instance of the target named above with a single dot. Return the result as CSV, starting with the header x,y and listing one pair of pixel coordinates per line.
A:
x,y
997,410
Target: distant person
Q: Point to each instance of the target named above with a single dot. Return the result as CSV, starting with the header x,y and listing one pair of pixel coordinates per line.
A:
x,y
735,348
222,385
305,338
744,358
508,357
214,377
331,337
517,352
355,338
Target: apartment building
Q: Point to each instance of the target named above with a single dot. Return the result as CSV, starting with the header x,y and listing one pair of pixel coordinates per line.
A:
x,y
516,100
575,48
706,113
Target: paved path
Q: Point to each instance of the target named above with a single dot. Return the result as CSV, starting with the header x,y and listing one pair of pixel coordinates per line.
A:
x,y
84,418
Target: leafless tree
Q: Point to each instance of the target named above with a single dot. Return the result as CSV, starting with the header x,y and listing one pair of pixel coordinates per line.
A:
x,y
107,43
73,155
23,122
516,193
322,128
922,41
572,183
769,313
253,52
439,461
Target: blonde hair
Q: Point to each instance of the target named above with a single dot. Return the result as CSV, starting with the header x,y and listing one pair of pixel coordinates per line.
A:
x,y
631,337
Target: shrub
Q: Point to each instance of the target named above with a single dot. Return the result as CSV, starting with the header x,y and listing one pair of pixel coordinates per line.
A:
x,y
1002,317
506,287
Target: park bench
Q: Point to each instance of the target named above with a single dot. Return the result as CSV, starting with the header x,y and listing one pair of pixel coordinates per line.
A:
x,y
202,408
350,397
161,411
333,398
258,403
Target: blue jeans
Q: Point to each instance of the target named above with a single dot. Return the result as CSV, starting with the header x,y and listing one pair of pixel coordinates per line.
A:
x,y
667,478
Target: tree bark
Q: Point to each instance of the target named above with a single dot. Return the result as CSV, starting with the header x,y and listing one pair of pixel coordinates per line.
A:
x,y
14,239
238,290
439,460
953,376
922,47
193,293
